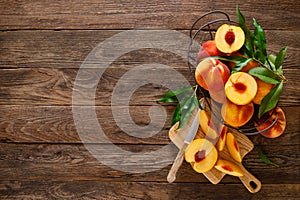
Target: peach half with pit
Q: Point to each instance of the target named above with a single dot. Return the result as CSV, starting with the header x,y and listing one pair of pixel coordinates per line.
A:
x,y
241,88
212,74
266,121
229,167
229,38
207,49
236,115
201,154
233,147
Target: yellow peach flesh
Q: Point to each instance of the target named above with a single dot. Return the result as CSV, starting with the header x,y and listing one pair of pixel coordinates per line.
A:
x,y
241,88
202,155
229,168
229,38
233,147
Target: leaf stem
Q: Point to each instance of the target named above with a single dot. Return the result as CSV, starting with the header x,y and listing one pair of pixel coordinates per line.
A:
x,y
282,77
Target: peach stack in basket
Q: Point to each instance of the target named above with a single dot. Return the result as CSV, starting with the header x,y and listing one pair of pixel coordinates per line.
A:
x,y
238,91
241,84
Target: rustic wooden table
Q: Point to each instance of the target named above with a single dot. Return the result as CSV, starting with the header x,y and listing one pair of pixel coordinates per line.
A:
x,y
42,46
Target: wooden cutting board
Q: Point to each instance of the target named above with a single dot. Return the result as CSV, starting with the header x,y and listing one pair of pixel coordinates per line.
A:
x,y
215,176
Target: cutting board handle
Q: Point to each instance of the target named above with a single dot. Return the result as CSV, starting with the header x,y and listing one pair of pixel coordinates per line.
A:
x,y
250,181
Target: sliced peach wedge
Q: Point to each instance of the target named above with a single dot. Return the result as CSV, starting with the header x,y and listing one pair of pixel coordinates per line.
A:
x,y
233,147
206,124
229,168
201,154
222,138
241,88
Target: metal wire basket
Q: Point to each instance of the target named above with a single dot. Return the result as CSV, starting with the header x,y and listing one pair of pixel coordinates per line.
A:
x,y
202,30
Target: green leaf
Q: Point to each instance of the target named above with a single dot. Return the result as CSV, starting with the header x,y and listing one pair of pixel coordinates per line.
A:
x,y
196,102
280,58
260,42
272,58
242,21
264,75
271,63
172,96
264,158
249,38
168,99
186,108
279,70
187,101
176,115
270,100
258,54
239,65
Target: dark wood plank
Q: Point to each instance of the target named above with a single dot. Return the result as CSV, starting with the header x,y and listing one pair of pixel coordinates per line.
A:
x,y
68,49
142,190
55,124
48,86
109,14
65,162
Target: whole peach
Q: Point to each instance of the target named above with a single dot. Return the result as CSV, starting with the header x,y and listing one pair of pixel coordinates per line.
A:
x,y
212,74
207,49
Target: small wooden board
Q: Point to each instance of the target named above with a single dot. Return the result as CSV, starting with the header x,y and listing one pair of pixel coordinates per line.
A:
x,y
215,176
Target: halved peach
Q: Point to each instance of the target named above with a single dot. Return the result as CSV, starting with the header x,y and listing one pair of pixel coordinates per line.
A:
x,y
229,38
233,147
267,119
229,168
236,115
222,138
202,155
241,88
263,89
206,125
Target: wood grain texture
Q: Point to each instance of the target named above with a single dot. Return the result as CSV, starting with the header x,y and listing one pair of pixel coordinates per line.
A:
x,y
55,124
42,46
142,190
107,14
48,86
69,48
66,162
